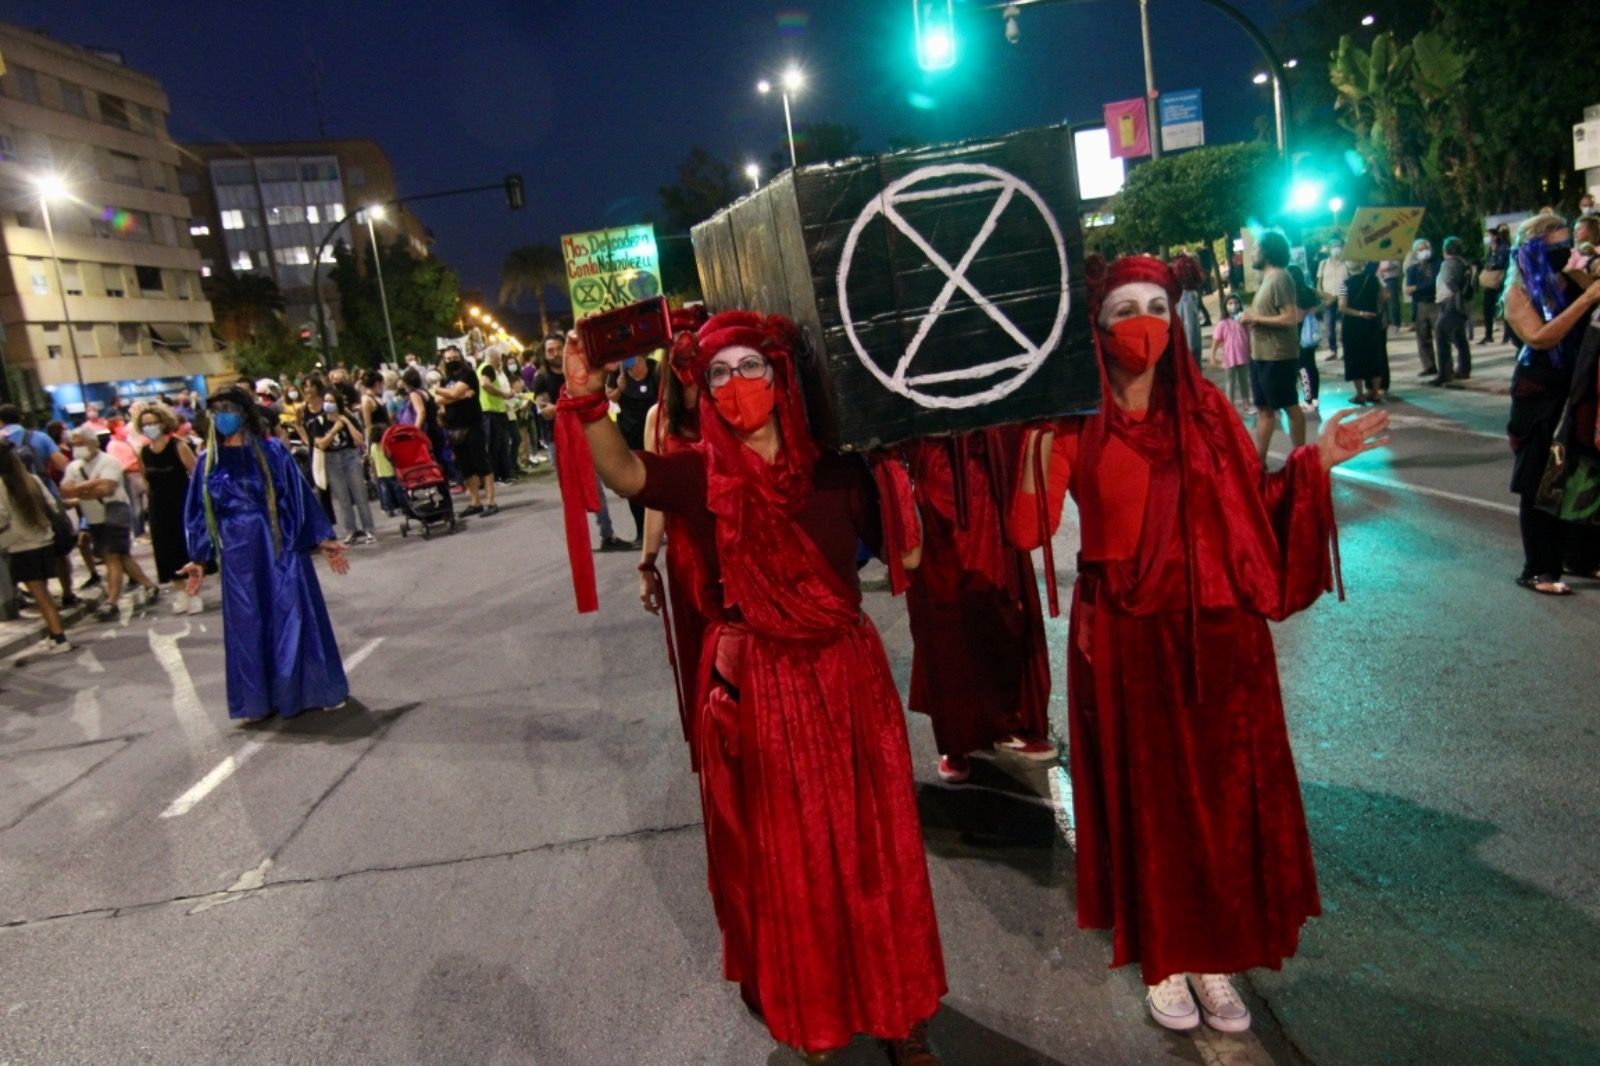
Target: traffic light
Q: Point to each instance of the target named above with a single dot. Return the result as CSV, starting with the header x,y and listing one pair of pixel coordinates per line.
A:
x,y
935,25
514,191
305,336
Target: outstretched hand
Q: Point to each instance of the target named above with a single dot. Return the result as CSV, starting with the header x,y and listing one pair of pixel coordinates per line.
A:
x,y
1343,437
333,551
193,574
581,379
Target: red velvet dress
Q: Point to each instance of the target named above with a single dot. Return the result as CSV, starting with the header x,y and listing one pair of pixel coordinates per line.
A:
x,y
1191,838
813,842
980,667
694,592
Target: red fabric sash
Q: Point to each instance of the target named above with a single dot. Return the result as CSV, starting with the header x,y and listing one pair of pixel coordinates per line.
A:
x,y
580,495
902,530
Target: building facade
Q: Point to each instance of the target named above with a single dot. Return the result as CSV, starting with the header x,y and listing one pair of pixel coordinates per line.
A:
x,y
114,300
266,208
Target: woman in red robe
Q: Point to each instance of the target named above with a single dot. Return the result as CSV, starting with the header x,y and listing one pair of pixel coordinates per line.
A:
x,y
1191,839
814,849
980,667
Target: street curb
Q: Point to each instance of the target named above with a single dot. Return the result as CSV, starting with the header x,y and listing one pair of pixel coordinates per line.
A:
x,y
91,600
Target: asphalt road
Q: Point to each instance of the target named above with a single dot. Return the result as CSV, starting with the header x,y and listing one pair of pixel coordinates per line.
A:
x,y
494,855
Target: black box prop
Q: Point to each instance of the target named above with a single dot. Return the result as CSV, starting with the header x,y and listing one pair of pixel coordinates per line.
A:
x,y
941,288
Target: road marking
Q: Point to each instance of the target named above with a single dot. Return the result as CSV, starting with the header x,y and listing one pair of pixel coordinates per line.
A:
x,y
1422,490
204,787
90,662
359,656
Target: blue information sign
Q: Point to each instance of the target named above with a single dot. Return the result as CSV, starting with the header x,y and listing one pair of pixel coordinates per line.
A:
x,y
1182,121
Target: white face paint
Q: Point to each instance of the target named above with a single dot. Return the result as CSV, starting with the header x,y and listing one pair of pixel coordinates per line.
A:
x,y
1132,300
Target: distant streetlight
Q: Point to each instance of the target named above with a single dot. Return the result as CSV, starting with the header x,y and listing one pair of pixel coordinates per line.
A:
x,y
1336,205
1260,78
1290,64
475,312
376,211
52,186
1367,20
753,172
793,80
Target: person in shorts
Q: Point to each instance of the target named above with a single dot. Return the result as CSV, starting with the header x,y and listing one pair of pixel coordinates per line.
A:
x,y
98,485
28,540
462,413
1274,321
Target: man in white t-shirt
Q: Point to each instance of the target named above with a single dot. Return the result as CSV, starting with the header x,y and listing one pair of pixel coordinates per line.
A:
x,y
98,485
1332,273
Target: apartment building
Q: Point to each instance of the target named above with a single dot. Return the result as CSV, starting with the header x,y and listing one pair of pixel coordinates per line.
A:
x,y
114,302
265,208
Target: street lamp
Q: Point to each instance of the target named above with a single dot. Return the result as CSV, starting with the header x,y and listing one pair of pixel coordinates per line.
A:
x,y
376,211
1367,20
753,172
1260,78
792,81
50,186
1291,63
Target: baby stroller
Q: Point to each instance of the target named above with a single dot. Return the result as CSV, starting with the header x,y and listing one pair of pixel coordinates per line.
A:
x,y
427,494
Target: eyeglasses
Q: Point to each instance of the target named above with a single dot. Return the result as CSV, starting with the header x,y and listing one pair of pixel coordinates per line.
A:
x,y
751,368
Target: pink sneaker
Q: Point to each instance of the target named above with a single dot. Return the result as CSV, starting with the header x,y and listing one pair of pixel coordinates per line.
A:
x,y
1031,748
954,769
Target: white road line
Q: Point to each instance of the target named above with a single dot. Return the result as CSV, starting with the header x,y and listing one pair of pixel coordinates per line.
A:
x,y
204,787
1421,490
359,656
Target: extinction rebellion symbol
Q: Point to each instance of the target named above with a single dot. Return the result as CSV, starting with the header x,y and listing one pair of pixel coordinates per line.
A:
x,y
1003,372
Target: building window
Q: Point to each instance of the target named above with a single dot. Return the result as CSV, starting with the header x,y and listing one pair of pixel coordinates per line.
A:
x,y
188,183
52,351
124,169
335,212
289,215
181,282
232,173
28,218
129,337
327,255
167,230
71,279
276,170
233,220
299,255
207,267
114,112
150,281
39,279
319,172
356,176
113,279
88,343
8,148
198,227
27,84
72,99
242,261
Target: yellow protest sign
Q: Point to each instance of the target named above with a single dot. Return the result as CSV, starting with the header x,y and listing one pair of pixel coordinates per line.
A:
x,y
1382,233
611,268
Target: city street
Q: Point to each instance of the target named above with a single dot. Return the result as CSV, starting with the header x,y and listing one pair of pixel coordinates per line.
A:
x,y
493,854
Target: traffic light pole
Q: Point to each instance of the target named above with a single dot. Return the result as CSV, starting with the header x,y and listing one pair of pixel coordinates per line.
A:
x,y
511,186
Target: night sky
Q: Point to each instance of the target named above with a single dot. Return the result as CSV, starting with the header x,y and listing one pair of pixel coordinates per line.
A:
x,y
595,103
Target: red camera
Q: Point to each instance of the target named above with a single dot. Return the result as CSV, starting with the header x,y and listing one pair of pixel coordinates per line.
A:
x,y
637,329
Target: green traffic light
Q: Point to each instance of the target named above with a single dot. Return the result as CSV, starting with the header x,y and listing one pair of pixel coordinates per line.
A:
x,y
1305,194
935,24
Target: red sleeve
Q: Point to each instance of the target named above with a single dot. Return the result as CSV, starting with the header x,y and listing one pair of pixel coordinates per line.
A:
x,y
1299,502
675,482
1025,525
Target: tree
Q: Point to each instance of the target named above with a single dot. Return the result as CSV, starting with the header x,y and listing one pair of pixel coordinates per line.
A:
x,y
530,270
1198,195
424,303
705,186
245,304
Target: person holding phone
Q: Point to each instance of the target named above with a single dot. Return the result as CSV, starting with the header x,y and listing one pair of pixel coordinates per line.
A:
x,y
338,434
252,513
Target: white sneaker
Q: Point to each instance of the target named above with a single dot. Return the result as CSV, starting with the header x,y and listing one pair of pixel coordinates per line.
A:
x,y
50,646
1220,1005
194,605
1171,1005
180,603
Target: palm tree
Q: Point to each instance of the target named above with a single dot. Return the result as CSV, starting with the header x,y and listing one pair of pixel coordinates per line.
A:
x,y
530,270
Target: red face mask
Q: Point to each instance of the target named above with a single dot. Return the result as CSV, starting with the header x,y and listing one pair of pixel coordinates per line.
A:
x,y
744,404
1135,344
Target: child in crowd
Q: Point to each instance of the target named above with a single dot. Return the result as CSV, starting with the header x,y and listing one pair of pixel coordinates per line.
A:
x,y
1233,340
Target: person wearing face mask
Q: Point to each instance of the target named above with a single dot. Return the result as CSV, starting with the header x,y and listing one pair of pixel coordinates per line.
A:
x,y
1422,288
1332,273
168,463
1492,280
817,868
1366,347
1452,292
1191,837
1586,206
1547,306
97,483
457,395
1232,340
251,514
337,432
1274,318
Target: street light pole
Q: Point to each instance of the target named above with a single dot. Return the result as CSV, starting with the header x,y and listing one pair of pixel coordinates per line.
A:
x,y
788,125
1151,107
383,296
66,315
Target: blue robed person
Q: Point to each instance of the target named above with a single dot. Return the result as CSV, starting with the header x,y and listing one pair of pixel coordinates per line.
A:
x,y
251,512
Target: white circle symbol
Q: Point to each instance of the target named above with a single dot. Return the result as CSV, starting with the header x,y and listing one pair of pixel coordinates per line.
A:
x,y
1033,354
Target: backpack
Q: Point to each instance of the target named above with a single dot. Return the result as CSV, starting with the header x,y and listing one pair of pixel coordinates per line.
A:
x,y
31,460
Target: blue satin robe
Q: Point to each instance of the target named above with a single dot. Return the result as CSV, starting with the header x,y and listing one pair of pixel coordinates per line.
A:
x,y
280,652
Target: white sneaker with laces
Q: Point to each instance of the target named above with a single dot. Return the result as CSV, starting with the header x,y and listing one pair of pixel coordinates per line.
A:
x,y
1220,1004
1171,1005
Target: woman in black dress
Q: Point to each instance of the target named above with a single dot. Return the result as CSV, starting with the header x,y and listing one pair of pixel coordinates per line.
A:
x,y
168,462
1366,354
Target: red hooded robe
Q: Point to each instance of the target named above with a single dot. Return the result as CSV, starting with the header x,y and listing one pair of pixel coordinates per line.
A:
x,y
1191,837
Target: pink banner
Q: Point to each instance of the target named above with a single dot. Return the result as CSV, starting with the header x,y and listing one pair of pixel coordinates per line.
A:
x,y
1128,123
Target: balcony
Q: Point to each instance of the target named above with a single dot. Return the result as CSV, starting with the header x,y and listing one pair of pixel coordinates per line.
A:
x,y
30,307
128,367
21,240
